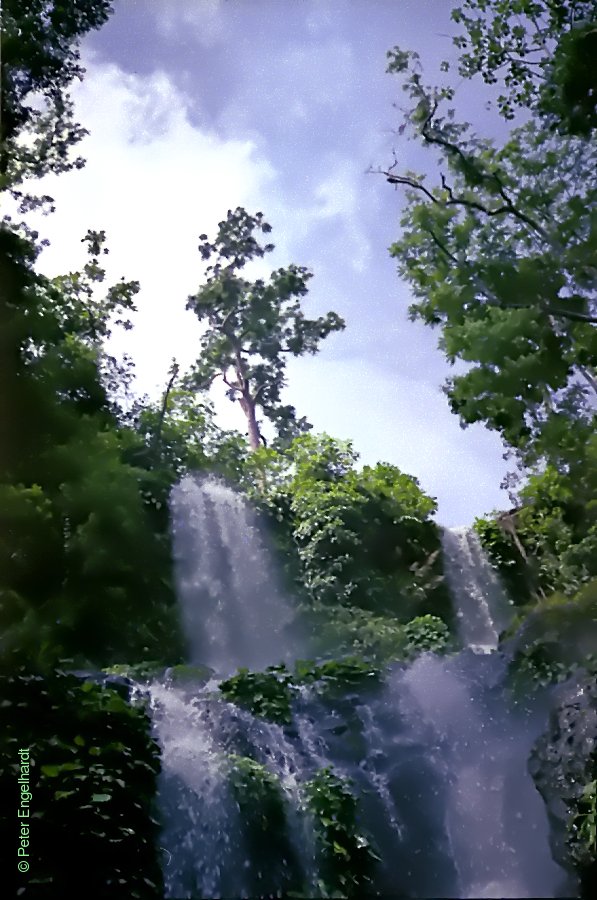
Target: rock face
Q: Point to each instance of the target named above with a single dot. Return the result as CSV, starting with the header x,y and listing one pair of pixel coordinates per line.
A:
x,y
562,762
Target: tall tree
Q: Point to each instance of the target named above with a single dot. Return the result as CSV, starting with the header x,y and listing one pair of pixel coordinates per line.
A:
x,y
501,252
253,325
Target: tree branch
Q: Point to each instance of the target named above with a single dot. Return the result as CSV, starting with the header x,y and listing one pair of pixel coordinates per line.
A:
x,y
258,391
442,247
507,208
589,377
434,138
157,437
409,182
562,313
565,314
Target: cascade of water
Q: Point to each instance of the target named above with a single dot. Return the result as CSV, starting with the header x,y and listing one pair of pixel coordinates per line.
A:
x,y
209,841
201,832
480,603
494,816
437,755
233,610
438,762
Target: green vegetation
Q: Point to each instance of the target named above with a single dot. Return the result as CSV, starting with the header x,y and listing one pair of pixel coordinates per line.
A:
x,y
360,547
542,53
426,633
269,694
551,542
500,254
40,60
263,810
583,827
346,857
266,694
140,672
94,765
251,325
554,637
498,244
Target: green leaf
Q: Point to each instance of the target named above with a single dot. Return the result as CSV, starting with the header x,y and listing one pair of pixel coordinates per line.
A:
x,y
52,771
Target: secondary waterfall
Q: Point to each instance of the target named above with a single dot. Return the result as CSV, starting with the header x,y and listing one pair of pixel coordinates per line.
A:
x,y
480,603
437,753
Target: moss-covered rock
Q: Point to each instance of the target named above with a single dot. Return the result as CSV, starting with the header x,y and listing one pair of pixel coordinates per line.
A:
x,y
195,675
557,634
267,694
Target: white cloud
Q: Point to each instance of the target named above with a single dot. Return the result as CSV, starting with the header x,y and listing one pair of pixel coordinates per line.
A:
x,y
204,20
337,195
153,182
319,18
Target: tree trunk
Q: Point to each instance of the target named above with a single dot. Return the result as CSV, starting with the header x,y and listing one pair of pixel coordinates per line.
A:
x,y
248,407
157,437
507,522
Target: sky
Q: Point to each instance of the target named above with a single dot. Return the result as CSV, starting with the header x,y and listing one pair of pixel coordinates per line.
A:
x,y
195,107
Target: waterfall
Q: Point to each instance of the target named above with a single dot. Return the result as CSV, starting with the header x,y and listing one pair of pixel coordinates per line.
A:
x,y
436,753
233,610
494,817
480,603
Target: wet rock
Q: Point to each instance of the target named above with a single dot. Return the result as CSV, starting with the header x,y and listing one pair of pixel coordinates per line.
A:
x,y
562,762
196,675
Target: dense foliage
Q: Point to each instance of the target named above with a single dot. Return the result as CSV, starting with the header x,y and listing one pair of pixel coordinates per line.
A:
x,y
84,557
360,546
269,694
40,60
541,52
263,812
501,254
551,542
346,856
93,770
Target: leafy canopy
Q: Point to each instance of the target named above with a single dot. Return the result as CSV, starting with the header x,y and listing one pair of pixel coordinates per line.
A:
x,y
252,325
541,52
501,253
40,60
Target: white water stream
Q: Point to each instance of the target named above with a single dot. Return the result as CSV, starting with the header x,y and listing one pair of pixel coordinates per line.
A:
x,y
438,755
233,609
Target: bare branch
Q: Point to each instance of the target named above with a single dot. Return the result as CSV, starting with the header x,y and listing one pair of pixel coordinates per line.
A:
x,y
157,437
409,182
431,138
589,377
